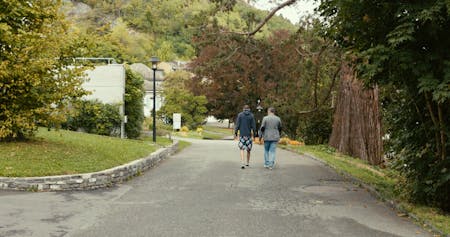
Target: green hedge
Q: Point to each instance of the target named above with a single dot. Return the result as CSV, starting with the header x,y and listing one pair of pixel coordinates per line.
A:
x,y
94,117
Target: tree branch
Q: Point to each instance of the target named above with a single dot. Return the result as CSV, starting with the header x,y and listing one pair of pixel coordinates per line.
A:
x,y
333,82
435,122
312,111
316,75
232,53
442,132
265,20
302,53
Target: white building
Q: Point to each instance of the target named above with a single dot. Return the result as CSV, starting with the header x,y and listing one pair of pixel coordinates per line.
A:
x,y
107,84
147,73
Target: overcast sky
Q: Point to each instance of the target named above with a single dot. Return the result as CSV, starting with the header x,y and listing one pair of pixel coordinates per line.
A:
x,y
293,12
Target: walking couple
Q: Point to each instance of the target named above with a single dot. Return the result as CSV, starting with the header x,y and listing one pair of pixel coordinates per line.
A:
x,y
269,132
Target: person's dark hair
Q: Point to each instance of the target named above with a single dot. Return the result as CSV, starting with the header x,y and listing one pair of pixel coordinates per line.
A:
x,y
246,107
272,110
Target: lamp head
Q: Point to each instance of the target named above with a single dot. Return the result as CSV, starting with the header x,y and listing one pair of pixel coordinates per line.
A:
x,y
155,61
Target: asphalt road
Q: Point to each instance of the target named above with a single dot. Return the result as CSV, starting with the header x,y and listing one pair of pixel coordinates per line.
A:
x,y
203,192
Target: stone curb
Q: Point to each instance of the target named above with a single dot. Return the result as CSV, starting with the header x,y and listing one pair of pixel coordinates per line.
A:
x,y
391,203
88,181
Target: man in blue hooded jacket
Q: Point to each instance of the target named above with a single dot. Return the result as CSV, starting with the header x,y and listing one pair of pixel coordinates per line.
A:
x,y
245,124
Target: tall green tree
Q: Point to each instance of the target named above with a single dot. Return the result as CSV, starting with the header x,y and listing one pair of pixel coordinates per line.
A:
x,y
400,45
35,82
178,99
305,68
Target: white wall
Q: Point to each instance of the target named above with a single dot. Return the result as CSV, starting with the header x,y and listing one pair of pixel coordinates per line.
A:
x,y
107,83
148,102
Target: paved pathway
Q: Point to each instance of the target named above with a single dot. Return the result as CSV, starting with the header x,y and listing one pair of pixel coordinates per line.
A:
x,y
203,192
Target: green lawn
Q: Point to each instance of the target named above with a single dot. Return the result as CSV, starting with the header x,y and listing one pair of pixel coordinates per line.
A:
x,y
212,136
183,144
163,141
65,152
209,132
383,180
225,131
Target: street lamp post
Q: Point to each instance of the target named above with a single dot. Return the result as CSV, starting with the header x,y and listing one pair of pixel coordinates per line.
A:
x,y
259,114
155,61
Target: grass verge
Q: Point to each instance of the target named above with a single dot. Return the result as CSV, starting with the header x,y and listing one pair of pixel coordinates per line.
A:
x,y
225,131
64,152
206,134
182,145
382,180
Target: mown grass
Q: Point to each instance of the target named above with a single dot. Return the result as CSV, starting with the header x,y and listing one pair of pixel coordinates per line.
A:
x,y
224,131
163,141
182,145
212,136
382,180
64,152
206,134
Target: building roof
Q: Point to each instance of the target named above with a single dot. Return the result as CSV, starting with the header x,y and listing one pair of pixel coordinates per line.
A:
x,y
146,72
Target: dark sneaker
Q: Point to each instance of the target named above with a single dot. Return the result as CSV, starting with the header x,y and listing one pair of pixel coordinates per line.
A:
x,y
242,167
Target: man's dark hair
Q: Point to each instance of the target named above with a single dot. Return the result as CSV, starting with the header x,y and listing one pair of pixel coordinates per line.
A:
x,y
272,110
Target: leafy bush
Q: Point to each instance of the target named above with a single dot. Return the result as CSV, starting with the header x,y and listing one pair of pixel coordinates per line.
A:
x,y
405,51
184,129
160,125
134,92
177,99
315,128
288,141
413,146
94,117
284,141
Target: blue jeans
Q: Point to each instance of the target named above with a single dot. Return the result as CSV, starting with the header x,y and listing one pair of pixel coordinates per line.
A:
x,y
269,153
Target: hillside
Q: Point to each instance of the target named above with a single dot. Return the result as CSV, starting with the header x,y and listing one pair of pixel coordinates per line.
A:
x,y
133,30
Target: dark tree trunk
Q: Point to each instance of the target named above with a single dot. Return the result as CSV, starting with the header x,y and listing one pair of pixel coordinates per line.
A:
x,y
357,121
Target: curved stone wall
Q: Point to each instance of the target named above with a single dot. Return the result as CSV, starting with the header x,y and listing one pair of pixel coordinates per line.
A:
x,y
88,181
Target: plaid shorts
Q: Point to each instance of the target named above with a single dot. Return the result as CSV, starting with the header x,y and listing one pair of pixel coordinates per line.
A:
x,y
245,143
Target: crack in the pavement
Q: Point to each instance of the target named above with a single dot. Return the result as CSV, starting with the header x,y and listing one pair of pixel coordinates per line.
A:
x,y
57,218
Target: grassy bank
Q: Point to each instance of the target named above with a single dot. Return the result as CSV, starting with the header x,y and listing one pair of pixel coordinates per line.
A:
x,y
382,180
65,152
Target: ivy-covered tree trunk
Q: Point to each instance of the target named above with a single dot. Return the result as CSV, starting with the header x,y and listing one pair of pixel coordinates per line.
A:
x,y
134,93
357,121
